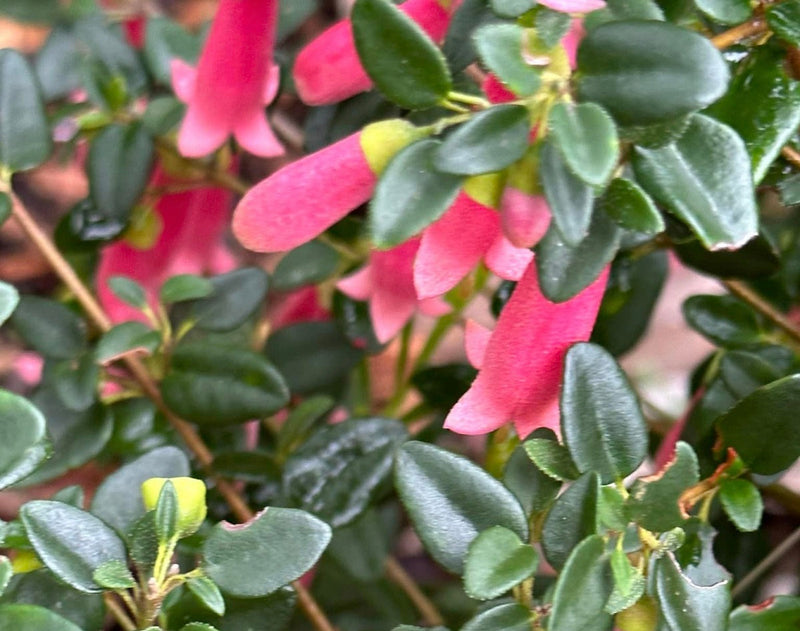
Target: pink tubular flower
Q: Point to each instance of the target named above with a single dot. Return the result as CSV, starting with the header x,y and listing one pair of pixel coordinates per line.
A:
x,y
190,242
521,361
306,197
573,6
329,70
387,282
234,80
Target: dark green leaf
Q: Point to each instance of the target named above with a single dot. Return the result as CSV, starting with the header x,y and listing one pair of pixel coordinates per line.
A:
x,y
552,458
784,19
6,571
507,617
723,319
70,542
458,47
780,613
235,297
442,386
250,466
601,422
208,593
24,133
627,204
762,427
309,264
704,178
128,291
755,259
742,502
219,385
39,12
276,547
341,468
301,420
582,589
534,489
646,72
118,500
629,584
126,339
5,207
572,518
9,298
725,11
75,381
410,195
361,548
551,26
500,48
490,141
450,500
197,626
292,15
587,139
49,327
497,560
143,543
114,575
511,8
164,41
163,114
653,503
635,9
398,56
33,618
570,199
166,513
185,287
24,443
353,319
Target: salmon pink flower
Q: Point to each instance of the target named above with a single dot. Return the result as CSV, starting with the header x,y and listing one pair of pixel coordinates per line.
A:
x,y
573,6
234,80
304,198
328,69
387,282
521,361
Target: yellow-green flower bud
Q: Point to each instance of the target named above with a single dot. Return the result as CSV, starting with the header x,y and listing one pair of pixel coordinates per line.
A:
x,y
191,495
25,561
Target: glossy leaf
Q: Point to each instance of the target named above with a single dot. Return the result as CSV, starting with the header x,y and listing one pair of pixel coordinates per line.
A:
x,y
570,199
534,489
500,49
300,421
511,8
25,442
126,339
742,503
276,547
784,20
311,263
647,72
128,290
601,421
755,259
341,468
410,195
185,287
236,296
405,65
114,575
572,518
446,495
780,613
208,593
506,617
33,618
9,298
490,141
725,11
627,204
552,458
723,319
497,560
70,542
49,327
629,583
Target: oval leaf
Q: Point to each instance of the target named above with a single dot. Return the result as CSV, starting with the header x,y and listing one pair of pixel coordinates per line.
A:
x,y
500,47
507,617
9,298
570,199
497,561
24,443
572,519
33,618
743,504
627,204
235,297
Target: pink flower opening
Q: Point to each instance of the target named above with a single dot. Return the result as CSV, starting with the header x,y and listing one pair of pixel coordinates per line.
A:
x,y
521,361
328,69
234,80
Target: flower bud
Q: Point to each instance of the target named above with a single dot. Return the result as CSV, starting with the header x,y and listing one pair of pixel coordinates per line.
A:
x,y
191,495
642,616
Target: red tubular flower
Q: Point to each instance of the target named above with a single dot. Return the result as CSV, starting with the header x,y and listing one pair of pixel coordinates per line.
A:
x,y
234,80
521,361
306,197
328,69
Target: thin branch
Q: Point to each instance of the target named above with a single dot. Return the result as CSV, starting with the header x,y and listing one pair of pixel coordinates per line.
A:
x,y
754,26
774,556
397,574
214,175
743,292
791,155
120,615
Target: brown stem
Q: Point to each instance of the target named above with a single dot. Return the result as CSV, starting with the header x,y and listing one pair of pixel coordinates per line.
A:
x,y
774,556
139,372
743,292
401,578
754,26
120,615
791,155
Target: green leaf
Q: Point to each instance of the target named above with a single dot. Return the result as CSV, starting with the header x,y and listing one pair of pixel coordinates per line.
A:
x,y
24,443
442,386
570,199
645,72
653,502
458,46
572,518
353,319
500,48
24,133
742,503
611,511
118,500
39,12
551,26
780,613
552,458
511,8
724,320
208,593
114,575
341,468
565,271
236,296
507,617
756,259
762,106
198,626
633,209
166,513
629,584
220,385
70,542
402,61
704,178
309,264
784,19
490,141
9,298
126,339
128,291
143,543
410,195
276,547
587,138
301,420
163,114
33,618
312,356
118,166
164,41
601,422
185,287
361,548
6,571
725,11
446,495
5,207
75,381
534,489
49,327
582,589
497,560
689,606
762,427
